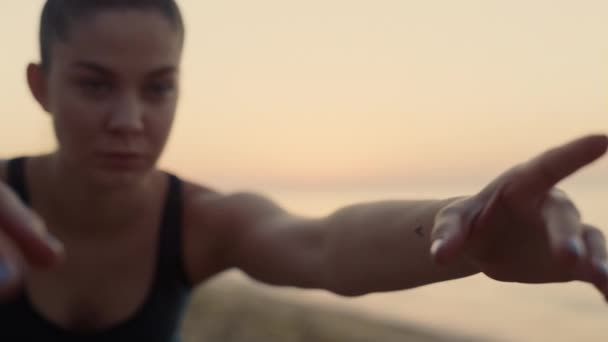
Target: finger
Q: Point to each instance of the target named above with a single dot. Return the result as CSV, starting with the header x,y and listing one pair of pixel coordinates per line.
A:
x,y
27,231
10,275
451,230
597,265
542,173
563,229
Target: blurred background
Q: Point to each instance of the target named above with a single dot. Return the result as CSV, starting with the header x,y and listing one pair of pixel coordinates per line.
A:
x,y
319,104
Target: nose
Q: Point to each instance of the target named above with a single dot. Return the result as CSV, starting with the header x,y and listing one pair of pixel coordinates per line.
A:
x,y
126,115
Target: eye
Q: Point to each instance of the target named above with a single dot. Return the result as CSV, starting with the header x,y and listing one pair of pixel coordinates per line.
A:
x,y
95,87
159,89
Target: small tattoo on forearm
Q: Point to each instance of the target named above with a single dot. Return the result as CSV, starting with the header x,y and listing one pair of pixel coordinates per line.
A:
x,y
420,231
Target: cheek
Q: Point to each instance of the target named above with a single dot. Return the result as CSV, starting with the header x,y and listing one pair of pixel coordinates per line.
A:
x,y
74,120
158,128
73,133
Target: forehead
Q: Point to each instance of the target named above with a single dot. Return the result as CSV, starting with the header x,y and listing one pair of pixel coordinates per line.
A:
x,y
121,40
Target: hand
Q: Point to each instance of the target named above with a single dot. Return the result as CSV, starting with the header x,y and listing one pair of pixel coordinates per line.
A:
x,y
23,239
521,229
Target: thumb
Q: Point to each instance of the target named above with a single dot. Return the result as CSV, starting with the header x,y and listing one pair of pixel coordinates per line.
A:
x,y
451,230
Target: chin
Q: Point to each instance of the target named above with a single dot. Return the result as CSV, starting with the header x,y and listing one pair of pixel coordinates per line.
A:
x,y
119,178
109,172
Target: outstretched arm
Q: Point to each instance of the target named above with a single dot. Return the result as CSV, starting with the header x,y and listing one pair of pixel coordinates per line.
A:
x,y
519,228
363,248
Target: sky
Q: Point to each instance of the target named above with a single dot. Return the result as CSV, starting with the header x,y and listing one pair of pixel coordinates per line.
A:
x,y
348,94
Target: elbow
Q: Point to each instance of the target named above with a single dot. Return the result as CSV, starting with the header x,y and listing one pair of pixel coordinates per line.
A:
x,y
349,293
340,277
337,280
344,288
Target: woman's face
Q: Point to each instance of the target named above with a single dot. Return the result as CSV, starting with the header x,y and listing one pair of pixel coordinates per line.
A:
x,y
112,90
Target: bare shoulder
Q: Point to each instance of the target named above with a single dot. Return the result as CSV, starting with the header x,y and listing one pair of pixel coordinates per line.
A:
x,y
3,170
227,211
213,221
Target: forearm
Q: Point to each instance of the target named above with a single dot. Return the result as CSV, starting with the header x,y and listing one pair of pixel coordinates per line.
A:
x,y
385,246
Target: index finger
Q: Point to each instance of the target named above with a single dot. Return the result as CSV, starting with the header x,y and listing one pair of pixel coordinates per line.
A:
x,y
542,173
26,231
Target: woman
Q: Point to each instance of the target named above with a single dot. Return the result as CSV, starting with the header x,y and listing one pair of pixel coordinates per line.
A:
x,y
97,244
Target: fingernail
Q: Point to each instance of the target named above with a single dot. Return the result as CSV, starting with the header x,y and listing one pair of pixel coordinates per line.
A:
x,y
575,246
34,224
436,246
54,243
38,226
5,274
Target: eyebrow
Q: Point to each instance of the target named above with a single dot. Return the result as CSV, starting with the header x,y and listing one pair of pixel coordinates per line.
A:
x,y
97,68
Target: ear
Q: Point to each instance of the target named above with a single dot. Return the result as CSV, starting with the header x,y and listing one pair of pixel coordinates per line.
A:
x,y
37,81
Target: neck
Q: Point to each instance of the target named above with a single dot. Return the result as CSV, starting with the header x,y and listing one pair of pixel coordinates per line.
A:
x,y
94,207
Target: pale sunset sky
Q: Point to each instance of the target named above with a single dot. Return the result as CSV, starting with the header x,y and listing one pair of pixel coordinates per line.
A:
x,y
350,93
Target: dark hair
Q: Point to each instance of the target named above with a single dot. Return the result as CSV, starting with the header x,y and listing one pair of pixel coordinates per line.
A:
x,y
59,15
